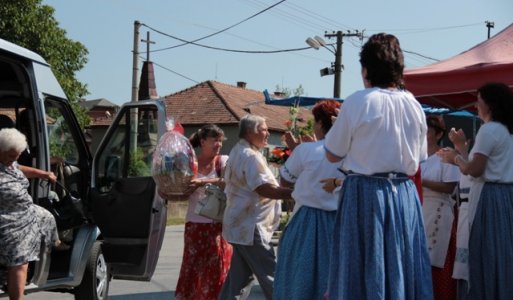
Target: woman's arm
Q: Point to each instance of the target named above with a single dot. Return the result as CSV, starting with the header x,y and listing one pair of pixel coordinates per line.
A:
x,y
474,167
30,172
441,187
272,191
285,183
332,158
330,184
196,183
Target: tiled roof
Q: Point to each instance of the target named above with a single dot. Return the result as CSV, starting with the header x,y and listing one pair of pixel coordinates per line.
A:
x,y
102,102
102,122
222,104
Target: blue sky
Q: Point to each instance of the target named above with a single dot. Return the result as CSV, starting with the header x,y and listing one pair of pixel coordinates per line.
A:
x,y
434,29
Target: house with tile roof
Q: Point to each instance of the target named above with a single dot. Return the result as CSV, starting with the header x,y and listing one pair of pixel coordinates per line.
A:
x,y
224,105
101,112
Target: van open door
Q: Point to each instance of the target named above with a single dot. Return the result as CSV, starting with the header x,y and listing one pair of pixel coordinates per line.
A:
x,y
124,203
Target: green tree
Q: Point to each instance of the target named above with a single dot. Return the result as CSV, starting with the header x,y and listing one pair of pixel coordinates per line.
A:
x,y
287,91
32,25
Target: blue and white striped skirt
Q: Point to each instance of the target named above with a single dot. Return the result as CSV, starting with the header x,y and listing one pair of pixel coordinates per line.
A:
x,y
491,244
379,247
303,255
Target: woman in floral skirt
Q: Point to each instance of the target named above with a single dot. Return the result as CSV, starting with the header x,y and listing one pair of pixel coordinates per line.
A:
x,y
206,254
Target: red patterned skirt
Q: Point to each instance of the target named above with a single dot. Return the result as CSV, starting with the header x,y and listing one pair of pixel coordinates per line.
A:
x,y
205,263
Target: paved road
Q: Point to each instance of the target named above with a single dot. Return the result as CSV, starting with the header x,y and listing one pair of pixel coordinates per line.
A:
x,y
163,283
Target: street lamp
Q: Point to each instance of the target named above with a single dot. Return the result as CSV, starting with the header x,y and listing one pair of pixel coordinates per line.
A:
x,y
317,42
336,68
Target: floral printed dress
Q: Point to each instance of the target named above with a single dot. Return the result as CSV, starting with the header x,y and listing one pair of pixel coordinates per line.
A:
x,y
23,224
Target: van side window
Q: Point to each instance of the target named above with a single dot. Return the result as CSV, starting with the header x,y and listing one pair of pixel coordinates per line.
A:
x,y
60,137
130,148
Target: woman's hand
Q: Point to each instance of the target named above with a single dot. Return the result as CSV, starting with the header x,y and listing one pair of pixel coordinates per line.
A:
x,y
290,140
458,138
330,184
447,154
50,176
193,186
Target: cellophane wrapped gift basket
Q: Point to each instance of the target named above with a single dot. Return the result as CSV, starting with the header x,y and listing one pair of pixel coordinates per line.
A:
x,y
174,163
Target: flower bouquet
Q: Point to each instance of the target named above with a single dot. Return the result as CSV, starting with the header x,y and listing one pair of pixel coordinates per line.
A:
x,y
279,155
174,164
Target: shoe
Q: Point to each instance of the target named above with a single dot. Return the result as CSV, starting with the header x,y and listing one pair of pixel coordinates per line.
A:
x,y
60,246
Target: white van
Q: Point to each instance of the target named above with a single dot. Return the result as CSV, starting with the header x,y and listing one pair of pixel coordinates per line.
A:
x,y
116,225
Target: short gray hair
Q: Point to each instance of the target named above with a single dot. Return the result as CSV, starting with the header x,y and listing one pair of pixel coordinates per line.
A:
x,y
249,122
12,139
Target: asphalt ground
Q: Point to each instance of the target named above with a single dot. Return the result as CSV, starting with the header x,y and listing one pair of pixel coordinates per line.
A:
x,y
162,285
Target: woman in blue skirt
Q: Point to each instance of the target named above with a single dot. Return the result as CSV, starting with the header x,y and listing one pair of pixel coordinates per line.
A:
x,y
490,165
379,246
303,253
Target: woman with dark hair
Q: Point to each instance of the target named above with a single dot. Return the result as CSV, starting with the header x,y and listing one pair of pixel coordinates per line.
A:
x,y
490,164
303,255
439,180
206,254
379,248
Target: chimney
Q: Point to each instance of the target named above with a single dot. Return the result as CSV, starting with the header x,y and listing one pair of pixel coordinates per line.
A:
x,y
241,84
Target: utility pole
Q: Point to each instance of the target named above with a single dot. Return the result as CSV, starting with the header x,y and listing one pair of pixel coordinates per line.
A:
x,y
490,25
135,64
338,57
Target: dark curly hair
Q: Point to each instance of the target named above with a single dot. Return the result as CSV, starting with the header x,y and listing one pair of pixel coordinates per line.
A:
x,y
437,124
323,111
499,98
383,58
206,131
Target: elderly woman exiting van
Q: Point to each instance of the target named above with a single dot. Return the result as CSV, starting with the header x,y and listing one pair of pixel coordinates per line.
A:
x,y
23,225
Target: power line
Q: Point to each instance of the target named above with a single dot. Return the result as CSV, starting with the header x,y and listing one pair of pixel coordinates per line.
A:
x,y
174,72
225,49
317,16
285,15
223,30
420,30
424,56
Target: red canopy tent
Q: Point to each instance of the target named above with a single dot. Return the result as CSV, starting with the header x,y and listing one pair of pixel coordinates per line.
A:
x,y
453,82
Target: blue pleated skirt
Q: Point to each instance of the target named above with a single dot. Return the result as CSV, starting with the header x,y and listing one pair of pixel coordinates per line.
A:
x,y
491,244
379,247
303,255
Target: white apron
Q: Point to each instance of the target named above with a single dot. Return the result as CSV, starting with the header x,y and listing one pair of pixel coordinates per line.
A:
x,y
438,219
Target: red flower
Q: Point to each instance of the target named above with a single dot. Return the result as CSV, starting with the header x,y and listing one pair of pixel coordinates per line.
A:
x,y
279,155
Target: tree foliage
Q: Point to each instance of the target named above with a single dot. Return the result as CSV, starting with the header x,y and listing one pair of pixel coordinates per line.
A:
x,y
32,25
287,91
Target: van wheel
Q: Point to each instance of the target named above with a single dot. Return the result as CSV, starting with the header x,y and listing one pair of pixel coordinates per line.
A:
x,y
95,283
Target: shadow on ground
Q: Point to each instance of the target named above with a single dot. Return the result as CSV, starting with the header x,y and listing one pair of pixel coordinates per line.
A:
x,y
146,296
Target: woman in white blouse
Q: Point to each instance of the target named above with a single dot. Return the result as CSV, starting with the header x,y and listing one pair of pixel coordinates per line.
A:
x,y
303,256
490,163
379,247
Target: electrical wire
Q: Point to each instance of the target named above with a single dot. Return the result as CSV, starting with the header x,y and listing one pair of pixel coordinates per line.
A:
x,y
418,54
421,30
174,72
222,30
225,49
